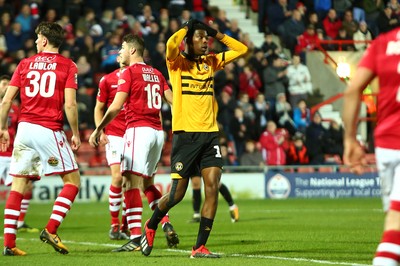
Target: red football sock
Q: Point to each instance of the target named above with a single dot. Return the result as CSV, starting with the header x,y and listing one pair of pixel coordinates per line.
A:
x,y
11,214
24,206
387,252
134,209
114,199
61,207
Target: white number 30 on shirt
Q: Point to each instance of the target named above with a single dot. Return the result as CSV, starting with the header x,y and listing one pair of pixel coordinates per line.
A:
x,y
44,84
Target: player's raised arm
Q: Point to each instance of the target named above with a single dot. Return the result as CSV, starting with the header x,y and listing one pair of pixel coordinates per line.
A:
x,y
176,39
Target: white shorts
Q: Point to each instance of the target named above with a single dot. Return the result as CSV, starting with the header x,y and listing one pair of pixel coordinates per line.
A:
x,y
388,163
114,149
39,150
5,170
142,151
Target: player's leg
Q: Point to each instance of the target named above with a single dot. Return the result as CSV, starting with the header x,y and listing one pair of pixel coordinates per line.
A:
x,y
211,178
61,207
11,214
196,198
173,197
233,208
22,226
389,172
115,199
134,209
153,196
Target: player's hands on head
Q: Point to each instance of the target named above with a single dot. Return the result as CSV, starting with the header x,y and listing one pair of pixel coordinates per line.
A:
x,y
210,30
354,156
188,24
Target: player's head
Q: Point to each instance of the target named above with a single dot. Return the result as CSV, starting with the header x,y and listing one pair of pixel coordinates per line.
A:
x,y
49,35
4,80
132,46
197,40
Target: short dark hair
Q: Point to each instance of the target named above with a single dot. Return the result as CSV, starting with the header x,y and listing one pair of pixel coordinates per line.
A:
x,y
136,41
53,32
7,77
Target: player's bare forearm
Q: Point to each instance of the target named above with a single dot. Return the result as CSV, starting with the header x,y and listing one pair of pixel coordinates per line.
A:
x,y
98,112
71,111
4,110
111,113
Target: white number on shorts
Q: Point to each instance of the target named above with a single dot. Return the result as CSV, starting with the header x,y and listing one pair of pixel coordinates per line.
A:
x,y
153,96
43,84
218,155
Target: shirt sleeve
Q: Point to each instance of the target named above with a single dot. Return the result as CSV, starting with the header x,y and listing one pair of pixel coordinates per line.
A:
x,y
102,95
72,80
16,77
124,82
236,49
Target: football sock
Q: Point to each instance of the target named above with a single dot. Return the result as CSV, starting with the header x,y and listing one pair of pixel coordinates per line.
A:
x,y
226,194
196,200
387,253
24,207
134,209
11,214
204,231
155,218
153,195
114,199
61,207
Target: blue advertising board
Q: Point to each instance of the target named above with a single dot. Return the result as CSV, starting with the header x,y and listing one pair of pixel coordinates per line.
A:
x,y
281,185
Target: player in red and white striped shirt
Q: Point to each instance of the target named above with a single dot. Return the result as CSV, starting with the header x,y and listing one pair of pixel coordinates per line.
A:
x,y
47,84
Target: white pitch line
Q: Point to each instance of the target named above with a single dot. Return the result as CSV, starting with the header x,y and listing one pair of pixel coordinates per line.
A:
x,y
226,255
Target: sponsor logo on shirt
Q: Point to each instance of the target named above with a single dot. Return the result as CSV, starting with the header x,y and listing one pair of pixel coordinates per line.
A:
x,y
52,161
46,58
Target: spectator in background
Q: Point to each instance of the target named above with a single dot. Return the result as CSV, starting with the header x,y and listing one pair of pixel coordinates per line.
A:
x,y
158,59
301,116
251,156
373,9
315,140
15,38
122,20
106,22
226,107
269,47
275,79
234,30
283,111
308,41
226,77
258,63
341,7
334,138
249,82
297,153
362,34
349,24
386,21
322,7
25,19
85,72
6,23
313,19
343,36
273,144
263,113
109,54
85,22
199,9
332,24
146,19
278,12
222,21
241,130
299,81
291,29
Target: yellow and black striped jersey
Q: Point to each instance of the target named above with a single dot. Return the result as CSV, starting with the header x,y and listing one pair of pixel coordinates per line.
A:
x,y
194,107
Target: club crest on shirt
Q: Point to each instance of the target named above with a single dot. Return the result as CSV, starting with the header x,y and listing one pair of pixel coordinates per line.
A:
x,y
205,66
178,166
52,161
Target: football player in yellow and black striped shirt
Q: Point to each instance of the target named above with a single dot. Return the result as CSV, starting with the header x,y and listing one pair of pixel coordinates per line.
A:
x,y
195,145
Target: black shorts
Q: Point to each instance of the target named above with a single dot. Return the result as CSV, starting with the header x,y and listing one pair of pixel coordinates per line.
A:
x,y
194,151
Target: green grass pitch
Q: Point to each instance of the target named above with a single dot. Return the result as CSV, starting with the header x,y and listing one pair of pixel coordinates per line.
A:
x,y
270,232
